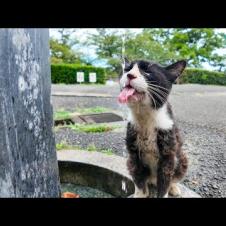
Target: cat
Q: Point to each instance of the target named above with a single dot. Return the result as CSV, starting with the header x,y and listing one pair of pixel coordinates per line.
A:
x,y
153,140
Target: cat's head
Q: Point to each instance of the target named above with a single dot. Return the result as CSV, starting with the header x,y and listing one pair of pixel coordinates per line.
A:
x,y
148,82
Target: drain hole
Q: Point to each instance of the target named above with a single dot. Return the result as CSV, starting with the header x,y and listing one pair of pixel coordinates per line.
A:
x,y
101,118
62,122
91,118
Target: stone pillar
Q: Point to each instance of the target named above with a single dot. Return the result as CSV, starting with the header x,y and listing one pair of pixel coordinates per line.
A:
x,y
28,162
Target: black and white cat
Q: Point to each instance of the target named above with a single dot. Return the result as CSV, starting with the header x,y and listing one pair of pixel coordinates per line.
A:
x,y
153,139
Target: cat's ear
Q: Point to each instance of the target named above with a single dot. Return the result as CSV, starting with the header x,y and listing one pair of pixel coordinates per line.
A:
x,y
125,62
176,69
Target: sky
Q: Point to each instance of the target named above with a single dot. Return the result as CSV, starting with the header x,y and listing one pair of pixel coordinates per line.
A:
x,y
82,34
88,51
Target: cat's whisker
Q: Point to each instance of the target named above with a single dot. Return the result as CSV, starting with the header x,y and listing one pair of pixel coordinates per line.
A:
x,y
152,99
150,95
159,87
159,97
159,91
150,83
165,95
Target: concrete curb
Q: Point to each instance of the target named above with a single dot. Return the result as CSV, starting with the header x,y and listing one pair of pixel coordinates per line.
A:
x,y
73,94
110,162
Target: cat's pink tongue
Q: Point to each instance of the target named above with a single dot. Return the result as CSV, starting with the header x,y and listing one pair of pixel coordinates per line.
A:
x,y
125,94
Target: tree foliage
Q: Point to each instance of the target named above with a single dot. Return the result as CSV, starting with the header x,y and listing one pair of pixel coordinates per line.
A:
x,y
61,49
195,45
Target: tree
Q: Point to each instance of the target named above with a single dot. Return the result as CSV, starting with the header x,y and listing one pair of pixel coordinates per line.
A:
x,y
62,53
109,46
61,49
144,46
27,148
196,45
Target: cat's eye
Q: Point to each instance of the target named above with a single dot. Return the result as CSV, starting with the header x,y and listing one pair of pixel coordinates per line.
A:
x,y
126,69
146,71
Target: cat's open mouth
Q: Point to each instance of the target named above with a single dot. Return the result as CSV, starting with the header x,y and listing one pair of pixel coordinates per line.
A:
x,y
128,94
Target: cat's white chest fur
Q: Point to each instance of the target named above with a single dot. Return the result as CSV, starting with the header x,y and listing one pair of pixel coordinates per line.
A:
x,y
147,122
145,118
163,120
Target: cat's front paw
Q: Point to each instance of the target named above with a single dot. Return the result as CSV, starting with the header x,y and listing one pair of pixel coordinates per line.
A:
x,y
166,195
175,190
141,194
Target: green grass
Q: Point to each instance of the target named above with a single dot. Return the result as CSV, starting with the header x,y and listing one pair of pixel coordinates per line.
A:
x,y
64,146
91,128
91,147
93,110
87,128
107,151
61,114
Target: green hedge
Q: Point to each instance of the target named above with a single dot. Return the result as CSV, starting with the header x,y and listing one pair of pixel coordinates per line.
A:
x,y
66,73
201,76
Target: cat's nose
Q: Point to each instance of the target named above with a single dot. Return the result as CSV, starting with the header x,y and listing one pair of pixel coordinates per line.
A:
x,y
131,76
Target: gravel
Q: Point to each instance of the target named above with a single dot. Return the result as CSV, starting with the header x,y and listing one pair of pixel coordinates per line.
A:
x,y
207,160
103,141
